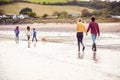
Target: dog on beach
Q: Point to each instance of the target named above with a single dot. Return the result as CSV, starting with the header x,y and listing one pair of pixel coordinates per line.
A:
x,y
43,39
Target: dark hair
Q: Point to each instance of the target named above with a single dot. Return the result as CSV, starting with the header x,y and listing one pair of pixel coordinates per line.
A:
x,y
17,27
33,28
28,28
79,20
93,19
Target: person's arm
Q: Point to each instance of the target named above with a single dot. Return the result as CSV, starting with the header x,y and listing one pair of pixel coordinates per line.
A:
x,y
35,32
76,27
98,30
18,31
30,33
88,27
84,29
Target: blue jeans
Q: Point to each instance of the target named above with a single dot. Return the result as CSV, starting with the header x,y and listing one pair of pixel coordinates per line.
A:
x,y
17,36
34,37
93,37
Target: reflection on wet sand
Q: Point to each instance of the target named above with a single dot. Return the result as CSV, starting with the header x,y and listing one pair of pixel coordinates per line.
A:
x,y
80,55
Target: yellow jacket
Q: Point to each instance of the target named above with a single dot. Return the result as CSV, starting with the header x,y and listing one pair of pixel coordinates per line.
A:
x,y
80,28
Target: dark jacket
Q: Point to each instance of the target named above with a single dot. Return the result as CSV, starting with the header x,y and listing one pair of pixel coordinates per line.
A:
x,y
93,26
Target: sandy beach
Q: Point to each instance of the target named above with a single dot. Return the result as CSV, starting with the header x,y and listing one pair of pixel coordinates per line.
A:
x,y
56,59
66,27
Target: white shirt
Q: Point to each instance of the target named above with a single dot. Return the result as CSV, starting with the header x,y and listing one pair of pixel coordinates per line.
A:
x,y
29,33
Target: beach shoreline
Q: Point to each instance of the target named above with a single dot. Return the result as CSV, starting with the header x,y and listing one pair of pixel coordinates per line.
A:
x,y
65,27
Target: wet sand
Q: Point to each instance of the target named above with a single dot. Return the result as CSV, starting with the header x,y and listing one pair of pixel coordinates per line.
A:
x,y
57,58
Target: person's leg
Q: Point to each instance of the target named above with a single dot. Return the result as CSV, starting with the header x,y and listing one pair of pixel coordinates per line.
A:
x,y
81,41
28,41
93,37
94,43
16,38
28,36
35,38
78,40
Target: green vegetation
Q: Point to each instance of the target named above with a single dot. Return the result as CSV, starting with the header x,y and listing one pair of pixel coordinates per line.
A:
x,y
62,14
111,7
14,8
32,14
62,9
28,11
25,10
85,13
114,8
53,1
5,0
1,12
45,15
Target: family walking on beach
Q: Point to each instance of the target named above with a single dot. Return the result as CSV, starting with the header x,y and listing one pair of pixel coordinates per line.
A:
x,y
80,29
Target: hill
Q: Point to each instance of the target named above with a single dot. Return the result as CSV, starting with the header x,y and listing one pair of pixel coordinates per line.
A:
x,y
52,1
39,1
14,8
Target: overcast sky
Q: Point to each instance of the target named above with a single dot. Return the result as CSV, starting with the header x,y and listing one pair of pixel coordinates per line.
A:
x,y
112,0
109,0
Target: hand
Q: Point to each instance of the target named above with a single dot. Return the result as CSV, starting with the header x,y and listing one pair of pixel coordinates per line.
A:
x,y
98,34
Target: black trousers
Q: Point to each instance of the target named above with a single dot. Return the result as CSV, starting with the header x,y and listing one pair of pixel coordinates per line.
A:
x,y
79,39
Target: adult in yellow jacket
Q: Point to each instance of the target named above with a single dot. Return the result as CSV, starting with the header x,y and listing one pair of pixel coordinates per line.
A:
x,y
80,29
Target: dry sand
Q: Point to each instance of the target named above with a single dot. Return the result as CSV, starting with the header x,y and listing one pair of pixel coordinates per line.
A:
x,y
104,27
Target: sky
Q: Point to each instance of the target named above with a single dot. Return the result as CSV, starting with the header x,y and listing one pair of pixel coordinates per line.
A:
x,y
112,0
109,0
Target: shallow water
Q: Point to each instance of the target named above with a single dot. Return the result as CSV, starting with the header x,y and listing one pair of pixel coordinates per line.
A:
x,y
106,40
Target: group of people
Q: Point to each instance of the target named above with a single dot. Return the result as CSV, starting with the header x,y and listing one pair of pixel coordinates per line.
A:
x,y
80,29
28,33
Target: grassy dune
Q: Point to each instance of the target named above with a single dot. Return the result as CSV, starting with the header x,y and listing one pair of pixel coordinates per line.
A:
x,y
14,8
5,0
51,1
